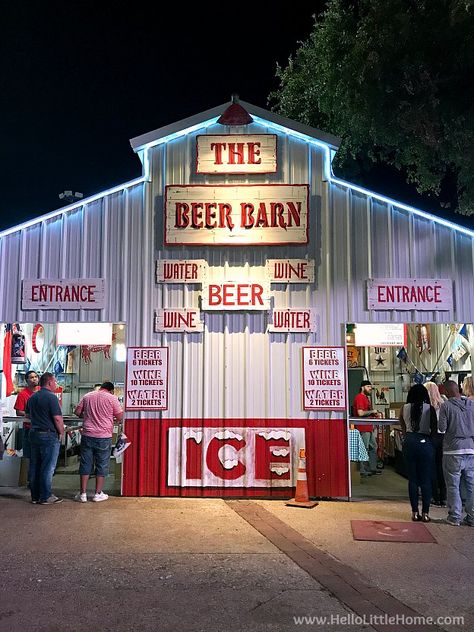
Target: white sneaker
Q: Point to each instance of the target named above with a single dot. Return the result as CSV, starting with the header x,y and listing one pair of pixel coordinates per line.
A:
x,y
99,497
80,498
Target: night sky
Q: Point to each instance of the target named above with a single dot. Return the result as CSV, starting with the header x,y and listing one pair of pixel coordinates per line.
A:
x,y
79,79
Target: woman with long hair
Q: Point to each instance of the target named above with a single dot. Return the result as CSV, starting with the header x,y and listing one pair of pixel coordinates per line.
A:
x,y
437,481
468,387
418,422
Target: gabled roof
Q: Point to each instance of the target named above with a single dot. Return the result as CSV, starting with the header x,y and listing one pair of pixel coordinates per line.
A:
x,y
140,142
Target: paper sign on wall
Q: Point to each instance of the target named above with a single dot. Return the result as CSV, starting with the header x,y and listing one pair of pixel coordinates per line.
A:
x,y
146,382
380,335
324,374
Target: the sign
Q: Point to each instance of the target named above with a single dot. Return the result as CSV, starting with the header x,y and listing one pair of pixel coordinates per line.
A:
x,y
404,294
290,270
353,357
293,319
236,457
146,382
380,335
63,294
380,359
237,153
235,295
181,271
178,320
84,334
324,373
261,214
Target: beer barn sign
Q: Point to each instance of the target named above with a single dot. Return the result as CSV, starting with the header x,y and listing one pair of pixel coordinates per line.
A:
x,y
233,215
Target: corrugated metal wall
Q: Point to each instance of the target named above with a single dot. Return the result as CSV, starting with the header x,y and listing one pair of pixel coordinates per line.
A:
x,y
235,370
108,238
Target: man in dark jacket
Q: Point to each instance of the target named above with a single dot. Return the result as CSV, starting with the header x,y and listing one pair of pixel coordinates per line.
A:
x,y
456,420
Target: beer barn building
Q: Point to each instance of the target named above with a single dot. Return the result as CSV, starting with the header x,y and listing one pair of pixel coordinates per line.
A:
x,y
236,263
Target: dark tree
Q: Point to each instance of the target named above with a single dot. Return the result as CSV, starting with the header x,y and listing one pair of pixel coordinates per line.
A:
x,y
394,79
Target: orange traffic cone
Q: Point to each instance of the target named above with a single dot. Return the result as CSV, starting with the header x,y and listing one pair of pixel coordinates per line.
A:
x,y
301,498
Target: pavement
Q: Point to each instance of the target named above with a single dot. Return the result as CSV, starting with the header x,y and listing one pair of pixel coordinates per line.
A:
x,y
181,564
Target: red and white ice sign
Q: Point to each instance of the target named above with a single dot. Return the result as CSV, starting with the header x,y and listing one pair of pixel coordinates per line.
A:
x,y
233,457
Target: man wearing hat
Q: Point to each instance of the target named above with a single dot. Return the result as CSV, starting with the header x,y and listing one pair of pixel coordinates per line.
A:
x,y
362,407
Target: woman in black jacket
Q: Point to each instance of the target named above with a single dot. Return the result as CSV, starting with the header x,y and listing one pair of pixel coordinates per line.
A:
x,y
418,422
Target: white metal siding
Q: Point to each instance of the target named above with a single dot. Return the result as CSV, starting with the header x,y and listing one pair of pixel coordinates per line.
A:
x,y
235,369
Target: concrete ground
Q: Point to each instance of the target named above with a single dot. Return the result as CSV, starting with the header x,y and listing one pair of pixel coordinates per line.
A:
x,y
211,565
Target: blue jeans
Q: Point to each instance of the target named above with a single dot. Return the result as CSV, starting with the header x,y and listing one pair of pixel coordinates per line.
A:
x,y
26,443
95,451
370,442
44,456
419,457
459,468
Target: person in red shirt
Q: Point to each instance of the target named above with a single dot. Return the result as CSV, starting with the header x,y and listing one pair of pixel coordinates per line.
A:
x,y
32,381
362,407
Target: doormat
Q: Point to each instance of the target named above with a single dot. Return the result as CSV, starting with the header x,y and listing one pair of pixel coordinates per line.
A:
x,y
384,531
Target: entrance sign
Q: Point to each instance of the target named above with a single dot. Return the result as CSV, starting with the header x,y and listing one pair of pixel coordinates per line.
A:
x,y
63,294
235,457
380,335
324,378
181,270
146,381
261,214
178,320
404,294
290,270
293,319
236,153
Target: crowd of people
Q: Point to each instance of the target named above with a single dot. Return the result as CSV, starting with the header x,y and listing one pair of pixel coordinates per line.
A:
x,y
44,429
438,444
438,447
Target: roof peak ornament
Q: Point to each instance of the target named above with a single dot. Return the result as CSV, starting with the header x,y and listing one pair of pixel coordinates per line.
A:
x,y
235,114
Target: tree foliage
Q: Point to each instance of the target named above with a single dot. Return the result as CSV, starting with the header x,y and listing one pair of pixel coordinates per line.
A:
x,y
394,79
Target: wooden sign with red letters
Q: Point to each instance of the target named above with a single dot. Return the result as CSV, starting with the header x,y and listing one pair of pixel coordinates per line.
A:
x,y
63,294
260,214
236,153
